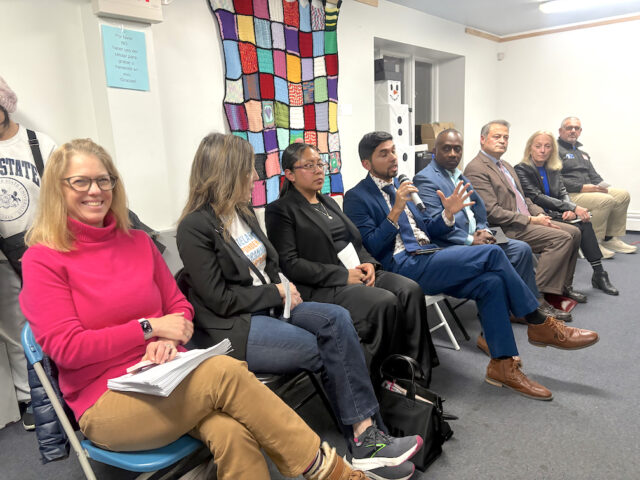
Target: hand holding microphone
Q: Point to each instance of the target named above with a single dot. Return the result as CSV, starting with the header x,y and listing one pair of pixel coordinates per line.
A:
x,y
415,198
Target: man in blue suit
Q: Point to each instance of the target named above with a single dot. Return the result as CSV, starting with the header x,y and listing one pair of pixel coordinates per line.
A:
x,y
471,227
399,237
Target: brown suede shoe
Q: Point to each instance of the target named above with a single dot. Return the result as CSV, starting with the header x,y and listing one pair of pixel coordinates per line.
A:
x,y
506,373
554,333
334,467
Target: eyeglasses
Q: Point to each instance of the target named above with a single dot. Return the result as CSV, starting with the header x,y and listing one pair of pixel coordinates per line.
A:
x,y
83,184
312,167
573,127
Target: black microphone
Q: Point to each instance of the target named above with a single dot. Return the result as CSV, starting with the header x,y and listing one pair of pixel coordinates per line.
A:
x,y
414,196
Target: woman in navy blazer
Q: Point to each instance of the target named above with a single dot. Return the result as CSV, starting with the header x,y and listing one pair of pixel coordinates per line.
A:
x,y
309,229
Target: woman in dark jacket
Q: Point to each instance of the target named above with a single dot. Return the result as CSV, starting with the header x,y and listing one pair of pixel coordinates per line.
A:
x,y
539,174
237,291
309,231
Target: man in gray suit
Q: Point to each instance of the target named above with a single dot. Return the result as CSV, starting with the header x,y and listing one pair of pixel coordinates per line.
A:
x,y
497,183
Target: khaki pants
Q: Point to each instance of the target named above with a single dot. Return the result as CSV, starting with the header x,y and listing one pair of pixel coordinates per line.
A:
x,y
609,211
222,404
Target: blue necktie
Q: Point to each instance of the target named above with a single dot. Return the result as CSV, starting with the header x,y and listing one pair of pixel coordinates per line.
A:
x,y
406,232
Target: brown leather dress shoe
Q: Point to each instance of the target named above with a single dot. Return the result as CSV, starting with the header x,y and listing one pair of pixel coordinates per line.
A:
x,y
554,333
506,373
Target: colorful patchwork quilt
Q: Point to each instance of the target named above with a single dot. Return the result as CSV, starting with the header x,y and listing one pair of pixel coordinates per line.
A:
x,y
281,62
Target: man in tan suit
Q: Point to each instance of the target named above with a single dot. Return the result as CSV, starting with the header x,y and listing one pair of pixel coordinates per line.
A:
x,y
497,184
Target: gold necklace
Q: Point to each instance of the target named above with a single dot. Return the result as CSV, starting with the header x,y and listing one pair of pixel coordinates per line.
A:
x,y
324,210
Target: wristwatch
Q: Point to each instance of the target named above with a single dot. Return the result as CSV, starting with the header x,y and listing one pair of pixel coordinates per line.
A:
x,y
146,328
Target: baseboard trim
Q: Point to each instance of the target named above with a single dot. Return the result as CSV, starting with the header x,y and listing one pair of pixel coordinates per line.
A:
x,y
633,221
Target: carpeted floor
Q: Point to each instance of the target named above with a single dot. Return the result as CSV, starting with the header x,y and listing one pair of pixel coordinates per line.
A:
x,y
589,431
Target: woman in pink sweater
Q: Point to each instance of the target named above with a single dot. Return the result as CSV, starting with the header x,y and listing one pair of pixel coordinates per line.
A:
x,y
100,298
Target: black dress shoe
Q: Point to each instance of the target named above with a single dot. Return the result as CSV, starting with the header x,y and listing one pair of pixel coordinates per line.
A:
x,y
601,280
548,311
574,295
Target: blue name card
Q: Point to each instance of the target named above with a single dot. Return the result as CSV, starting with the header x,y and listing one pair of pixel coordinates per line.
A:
x,y
125,58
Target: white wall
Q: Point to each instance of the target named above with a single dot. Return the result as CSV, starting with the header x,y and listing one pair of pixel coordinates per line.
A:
x,y
592,73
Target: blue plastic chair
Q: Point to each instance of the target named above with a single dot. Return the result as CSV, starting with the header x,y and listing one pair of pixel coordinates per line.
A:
x,y
146,462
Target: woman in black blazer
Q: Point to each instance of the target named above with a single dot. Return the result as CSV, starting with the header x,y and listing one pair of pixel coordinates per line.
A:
x,y
539,174
308,230
233,281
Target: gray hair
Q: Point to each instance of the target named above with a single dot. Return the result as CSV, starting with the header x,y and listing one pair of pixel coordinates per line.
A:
x,y
568,118
485,130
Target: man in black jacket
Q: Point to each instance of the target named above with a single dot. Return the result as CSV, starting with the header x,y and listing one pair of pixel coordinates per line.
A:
x,y
587,189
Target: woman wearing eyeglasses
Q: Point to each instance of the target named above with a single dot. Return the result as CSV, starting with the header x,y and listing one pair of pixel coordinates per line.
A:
x,y
233,279
100,298
309,231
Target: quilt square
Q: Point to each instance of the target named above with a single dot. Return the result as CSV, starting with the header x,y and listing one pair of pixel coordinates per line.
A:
x,y
227,23
282,115
291,40
331,61
336,184
326,186
254,115
270,140
334,142
261,8
273,164
295,94
232,63
323,144
237,117
263,33
223,4
280,63
265,60
305,42
333,117
293,68
307,92
283,138
234,92
305,16
273,189
330,42
243,7
318,67
320,89
322,117
311,137
335,163
267,90
268,115
259,194
255,139
296,117
296,136
260,159
277,36
245,29
248,57
318,43
275,8
251,86
307,69
282,90
332,85
291,13
317,15
242,135
310,117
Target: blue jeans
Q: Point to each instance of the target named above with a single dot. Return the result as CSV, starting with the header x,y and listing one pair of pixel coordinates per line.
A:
x,y
318,337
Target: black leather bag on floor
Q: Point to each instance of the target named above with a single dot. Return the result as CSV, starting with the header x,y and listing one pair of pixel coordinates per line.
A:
x,y
408,413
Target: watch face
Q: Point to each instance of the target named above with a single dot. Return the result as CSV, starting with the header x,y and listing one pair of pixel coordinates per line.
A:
x,y
146,327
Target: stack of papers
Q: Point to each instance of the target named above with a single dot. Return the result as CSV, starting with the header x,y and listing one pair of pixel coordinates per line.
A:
x,y
162,379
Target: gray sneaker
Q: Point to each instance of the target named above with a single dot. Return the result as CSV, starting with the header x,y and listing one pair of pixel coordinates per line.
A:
x,y
375,449
28,420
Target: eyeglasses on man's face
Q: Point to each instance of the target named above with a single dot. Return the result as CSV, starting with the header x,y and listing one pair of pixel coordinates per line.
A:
x,y
83,184
312,167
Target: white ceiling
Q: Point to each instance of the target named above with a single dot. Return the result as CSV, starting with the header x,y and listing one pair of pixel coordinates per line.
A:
x,y
508,17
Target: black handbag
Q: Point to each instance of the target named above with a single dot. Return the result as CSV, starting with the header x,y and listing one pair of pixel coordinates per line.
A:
x,y
407,413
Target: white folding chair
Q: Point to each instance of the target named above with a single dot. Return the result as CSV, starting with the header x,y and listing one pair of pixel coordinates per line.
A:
x,y
432,300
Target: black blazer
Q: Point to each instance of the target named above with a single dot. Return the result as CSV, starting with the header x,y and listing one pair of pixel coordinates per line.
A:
x,y
307,254
554,204
220,287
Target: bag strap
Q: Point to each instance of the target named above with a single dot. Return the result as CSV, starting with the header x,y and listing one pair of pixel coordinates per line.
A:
x,y
35,151
413,367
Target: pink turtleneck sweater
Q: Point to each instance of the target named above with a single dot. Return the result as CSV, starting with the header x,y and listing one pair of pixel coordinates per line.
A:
x,y
84,305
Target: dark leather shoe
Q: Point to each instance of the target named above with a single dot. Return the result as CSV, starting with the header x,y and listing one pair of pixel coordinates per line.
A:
x,y
601,280
548,311
554,333
574,295
506,373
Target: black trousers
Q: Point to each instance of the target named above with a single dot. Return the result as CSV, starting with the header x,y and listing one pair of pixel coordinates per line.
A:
x,y
588,242
390,317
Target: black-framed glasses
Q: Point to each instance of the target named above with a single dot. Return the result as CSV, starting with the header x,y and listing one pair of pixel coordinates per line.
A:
x,y
312,167
83,184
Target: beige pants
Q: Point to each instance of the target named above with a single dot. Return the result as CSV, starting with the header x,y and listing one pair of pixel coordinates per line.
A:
x,y
609,211
221,403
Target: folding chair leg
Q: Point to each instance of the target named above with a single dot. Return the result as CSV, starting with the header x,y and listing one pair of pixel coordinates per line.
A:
x,y
443,323
457,320
75,443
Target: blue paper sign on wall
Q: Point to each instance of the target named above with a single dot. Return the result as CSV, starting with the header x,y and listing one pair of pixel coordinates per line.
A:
x,y
125,58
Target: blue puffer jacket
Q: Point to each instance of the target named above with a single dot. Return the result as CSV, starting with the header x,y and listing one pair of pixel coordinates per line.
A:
x,y
52,441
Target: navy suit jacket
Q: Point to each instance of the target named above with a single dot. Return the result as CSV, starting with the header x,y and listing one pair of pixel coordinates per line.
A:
x,y
367,208
432,178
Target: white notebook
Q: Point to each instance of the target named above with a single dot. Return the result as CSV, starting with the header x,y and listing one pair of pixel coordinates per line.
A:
x,y
161,380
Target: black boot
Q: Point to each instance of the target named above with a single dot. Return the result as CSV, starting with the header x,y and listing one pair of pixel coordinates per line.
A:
x,y
601,280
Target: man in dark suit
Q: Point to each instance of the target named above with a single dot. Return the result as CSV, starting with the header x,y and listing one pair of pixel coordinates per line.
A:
x,y
395,233
497,183
471,227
